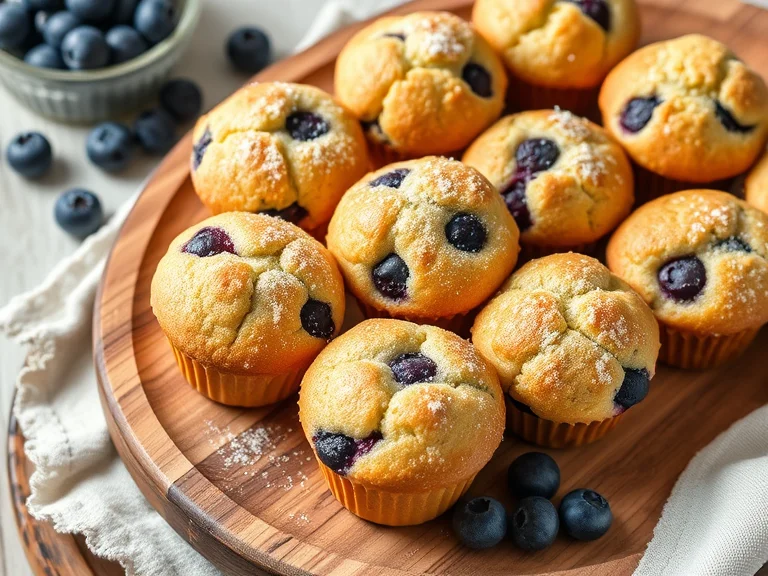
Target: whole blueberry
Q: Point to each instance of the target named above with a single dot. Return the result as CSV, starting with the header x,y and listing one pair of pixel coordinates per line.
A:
x,y
478,78
124,10
110,146
30,154
58,25
390,277
392,179
91,10
15,26
729,122
637,113
305,126
41,18
585,514
536,155
633,389
480,523
44,56
466,232
533,474
155,131
335,450
155,19
209,241
733,244
683,279
125,43
182,99
533,523
40,5
79,212
317,320
249,49
294,213
85,48
598,10
413,367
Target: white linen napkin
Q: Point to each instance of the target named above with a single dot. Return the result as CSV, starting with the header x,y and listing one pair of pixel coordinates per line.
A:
x,y
714,524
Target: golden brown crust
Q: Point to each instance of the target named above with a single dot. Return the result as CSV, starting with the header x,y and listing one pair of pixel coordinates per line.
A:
x,y
372,223
735,296
252,164
414,87
553,43
435,433
560,334
241,312
756,185
582,197
684,140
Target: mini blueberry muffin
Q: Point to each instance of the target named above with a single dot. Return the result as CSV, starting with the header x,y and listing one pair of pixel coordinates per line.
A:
x,y
286,150
423,240
421,84
564,180
574,346
687,111
247,301
401,419
698,258
756,185
558,51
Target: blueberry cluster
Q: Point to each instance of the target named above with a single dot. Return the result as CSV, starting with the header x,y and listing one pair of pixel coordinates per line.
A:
x,y
84,34
533,479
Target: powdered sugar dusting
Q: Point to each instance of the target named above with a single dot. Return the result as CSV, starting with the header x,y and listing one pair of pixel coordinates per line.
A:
x,y
441,38
603,368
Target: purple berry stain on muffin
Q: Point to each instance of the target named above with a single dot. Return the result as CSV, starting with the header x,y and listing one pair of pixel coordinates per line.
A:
x,y
391,179
412,368
198,150
317,320
466,232
637,113
209,241
733,244
339,452
682,279
293,213
598,10
478,78
390,277
633,390
305,126
729,122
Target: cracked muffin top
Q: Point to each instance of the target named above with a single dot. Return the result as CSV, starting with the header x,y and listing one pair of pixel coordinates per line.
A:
x,y
424,83
424,239
288,150
564,180
248,293
698,258
687,109
756,185
559,43
571,342
402,407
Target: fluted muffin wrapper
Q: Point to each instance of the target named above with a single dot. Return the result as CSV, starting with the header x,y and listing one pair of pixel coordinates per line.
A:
x,y
458,323
649,185
693,351
580,101
532,251
393,508
237,389
555,434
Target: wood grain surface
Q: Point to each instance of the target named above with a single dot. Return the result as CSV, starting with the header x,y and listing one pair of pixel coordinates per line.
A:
x,y
241,485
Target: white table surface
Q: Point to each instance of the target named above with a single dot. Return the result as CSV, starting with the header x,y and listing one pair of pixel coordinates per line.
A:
x,y
30,241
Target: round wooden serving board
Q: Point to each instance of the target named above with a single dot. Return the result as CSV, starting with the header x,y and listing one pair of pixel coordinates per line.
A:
x,y
242,486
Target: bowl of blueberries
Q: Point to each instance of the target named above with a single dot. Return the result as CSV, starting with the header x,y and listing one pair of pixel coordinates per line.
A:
x,y
87,60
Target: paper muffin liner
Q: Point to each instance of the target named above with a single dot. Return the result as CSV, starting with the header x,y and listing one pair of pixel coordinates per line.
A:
x,y
693,351
237,389
392,508
532,251
649,185
458,323
550,434
582,102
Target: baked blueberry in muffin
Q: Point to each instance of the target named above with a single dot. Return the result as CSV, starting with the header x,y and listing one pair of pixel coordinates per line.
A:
x,y
698,258
421,84
285,150
401,418
247,302
563,179
425,239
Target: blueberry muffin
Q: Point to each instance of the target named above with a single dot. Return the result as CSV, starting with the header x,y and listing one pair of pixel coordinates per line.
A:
x,y
698,258
401,418
756,185
247,301
421,84
574,346
564,180
687,111
558,51
423,240
286,150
